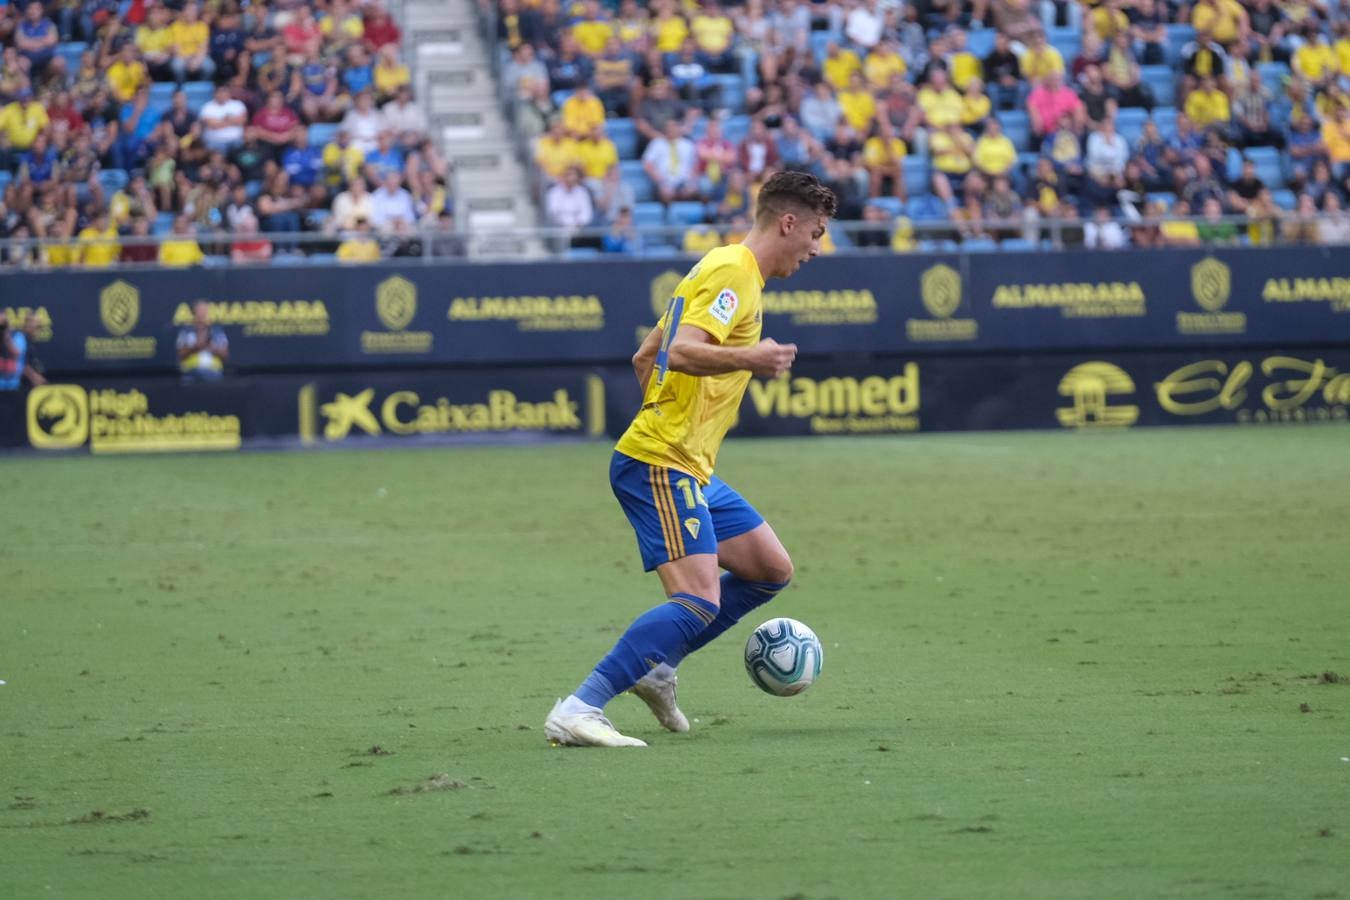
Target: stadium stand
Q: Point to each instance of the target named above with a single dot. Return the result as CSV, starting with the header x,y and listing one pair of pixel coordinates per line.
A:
x,y
1161,104
209,119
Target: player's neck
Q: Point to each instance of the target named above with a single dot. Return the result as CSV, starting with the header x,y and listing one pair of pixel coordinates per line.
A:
x,y
760,246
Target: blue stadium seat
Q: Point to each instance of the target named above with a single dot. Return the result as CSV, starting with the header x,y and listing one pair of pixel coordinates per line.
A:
x,y
649,213
163,223
1273,75
1166,198
735,128
322,133
1066,40
1233,165
1017,126
582,253
686,212
892,205
161,94
842,239
1130,123
915,169
560,97
661,251
636,178
322,259
1018,245
820,38
1162,80
925,208
730,91
979,245
112,181
1269,165
1284,198
624,135
71,52
1167,121
198,94
980,42
5,178
1178,36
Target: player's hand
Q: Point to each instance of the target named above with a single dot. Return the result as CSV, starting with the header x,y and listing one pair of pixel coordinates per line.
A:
x,y
771,359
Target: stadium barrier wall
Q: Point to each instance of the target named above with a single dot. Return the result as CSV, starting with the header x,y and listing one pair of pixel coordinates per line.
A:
x,y
856,395
383,317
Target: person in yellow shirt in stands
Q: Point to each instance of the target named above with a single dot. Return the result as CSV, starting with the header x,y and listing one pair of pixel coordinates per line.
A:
x,y
359,247
700,239
556,151
23,120
1342,47
1177,229
884,156
99,246
182,249
940,102
389,72
190,41
951,150
713,31
1108,20
127,74
592,32
994,152
582,111
883,62
1225,20
342,159
64,253
1336,137
839,66
596,154
1207,106
669,29
1315,61
1040,59
962,64
155,41
975,104
857,104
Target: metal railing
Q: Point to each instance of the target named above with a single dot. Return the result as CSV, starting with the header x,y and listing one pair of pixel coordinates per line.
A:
x,y
1022,234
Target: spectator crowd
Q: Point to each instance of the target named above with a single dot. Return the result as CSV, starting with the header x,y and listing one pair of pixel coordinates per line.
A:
x,y
230,129
1103,122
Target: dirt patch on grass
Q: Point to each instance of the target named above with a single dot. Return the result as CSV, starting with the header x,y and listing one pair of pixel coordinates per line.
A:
x,y
99,817
432,784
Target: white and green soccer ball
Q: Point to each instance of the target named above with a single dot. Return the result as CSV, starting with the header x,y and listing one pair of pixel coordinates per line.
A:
x,y
783,657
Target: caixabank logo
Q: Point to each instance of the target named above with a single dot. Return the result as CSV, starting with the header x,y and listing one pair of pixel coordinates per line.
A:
x,y
1097,391
119,310
940,291
396,309
335,415
66,417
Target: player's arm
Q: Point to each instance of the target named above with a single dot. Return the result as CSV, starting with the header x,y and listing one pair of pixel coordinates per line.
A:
x,y
645,358
696,352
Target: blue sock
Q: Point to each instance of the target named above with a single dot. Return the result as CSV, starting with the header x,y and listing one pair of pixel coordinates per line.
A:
x,y
652,638
738,598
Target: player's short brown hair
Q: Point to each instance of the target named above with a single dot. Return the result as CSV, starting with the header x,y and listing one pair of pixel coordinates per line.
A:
x,y
787,192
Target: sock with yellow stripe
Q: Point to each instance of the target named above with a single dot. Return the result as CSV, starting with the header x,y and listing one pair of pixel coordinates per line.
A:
x,y
649,641
738,599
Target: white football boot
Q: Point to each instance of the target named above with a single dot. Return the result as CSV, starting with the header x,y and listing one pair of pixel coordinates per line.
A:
x,y
584,729
659,695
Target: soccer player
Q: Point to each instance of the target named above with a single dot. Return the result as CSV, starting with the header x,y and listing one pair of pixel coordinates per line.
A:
x,y
694,367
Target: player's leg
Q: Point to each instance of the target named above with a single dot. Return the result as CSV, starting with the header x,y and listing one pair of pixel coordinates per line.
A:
x,y
676,537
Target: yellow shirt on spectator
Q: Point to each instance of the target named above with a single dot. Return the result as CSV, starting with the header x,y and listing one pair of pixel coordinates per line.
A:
x,y
581,116
877,151
596,157
21,122
838,69
180,253
592,35
1342,49
1037,65
902,238
1315,61
940,107
995,155
358,250
827,247
1204,108
670,33
1180,231
350,26
700,239
712,33
951,153
124,80
1109,22
62,255
154,40
555,156
880,66
346,160
1221,20
974,110
859,108
390,78
965,66
99,248
1337,139
189,38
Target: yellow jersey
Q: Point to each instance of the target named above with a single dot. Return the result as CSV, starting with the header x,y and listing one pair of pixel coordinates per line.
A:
x,y
684,418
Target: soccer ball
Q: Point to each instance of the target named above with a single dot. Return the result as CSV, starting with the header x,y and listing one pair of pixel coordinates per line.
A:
x,y
783,657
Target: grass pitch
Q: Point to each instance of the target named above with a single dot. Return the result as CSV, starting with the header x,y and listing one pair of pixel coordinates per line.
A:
x,y
1056,666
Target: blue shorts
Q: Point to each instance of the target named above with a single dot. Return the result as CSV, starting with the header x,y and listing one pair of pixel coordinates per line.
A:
x,y
672,515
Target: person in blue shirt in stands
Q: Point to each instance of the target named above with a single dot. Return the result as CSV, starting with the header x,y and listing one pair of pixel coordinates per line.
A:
x,y
17,363
36,37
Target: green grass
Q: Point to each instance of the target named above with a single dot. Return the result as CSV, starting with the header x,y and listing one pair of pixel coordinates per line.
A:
x,y
1056,666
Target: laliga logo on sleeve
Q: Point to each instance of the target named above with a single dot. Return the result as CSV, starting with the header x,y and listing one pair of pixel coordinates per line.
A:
x,y
724,307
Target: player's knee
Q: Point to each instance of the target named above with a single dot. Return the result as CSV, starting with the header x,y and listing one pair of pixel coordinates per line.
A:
x,y
778,570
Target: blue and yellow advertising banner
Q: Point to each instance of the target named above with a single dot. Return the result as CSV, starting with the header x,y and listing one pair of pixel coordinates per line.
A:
x,y
299,319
